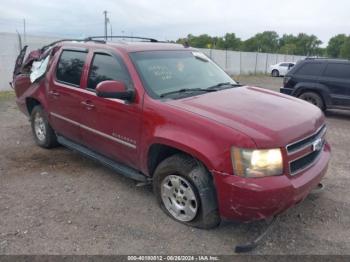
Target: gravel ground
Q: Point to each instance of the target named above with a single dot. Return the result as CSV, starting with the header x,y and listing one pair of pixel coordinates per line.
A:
x,y
260,81
57,202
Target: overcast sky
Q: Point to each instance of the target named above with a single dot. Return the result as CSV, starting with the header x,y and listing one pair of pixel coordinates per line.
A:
x,y
171,19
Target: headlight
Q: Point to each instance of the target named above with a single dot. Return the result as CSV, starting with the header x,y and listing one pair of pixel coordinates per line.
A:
x,y
257,163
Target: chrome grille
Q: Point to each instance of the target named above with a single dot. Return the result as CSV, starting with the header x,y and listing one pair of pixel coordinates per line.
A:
x,y
302,163
304,153
305,142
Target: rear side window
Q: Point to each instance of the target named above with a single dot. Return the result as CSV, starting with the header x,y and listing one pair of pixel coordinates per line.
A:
x,y
105,67
313,69
70,67
338,71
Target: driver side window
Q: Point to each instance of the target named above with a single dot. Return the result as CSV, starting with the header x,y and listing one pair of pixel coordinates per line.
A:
x,y
105,67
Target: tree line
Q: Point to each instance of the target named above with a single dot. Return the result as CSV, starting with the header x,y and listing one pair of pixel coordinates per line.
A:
x,y
271,42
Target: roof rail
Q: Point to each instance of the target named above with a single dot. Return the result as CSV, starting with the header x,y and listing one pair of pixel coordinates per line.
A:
x,y
326,58
91,38
98,39
315,57
69,39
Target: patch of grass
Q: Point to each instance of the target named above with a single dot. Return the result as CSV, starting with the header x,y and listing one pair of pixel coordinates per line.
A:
x,y
6,95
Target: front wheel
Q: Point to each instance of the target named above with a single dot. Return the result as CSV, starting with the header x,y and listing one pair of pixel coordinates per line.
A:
x,y
185,191
43,133
314,99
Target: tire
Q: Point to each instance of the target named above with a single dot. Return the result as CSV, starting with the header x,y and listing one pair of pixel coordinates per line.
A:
x,y
275,73
185,191
314,99
43,133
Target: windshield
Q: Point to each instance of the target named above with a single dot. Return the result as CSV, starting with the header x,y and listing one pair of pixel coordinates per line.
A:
x,y
171,71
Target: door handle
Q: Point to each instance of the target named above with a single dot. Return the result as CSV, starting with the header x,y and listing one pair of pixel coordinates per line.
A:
x,y
88,105
54,93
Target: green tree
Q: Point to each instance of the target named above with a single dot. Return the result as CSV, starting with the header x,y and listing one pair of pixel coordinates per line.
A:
x,y
262,42
289,49
268,41
201,41
288,44
229,41
307,44
345,49
335,44
302,44
287,39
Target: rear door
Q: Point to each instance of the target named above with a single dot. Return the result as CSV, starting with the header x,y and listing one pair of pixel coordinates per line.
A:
x,y
283,68
110,126
309,72
337,78
64,93
290,66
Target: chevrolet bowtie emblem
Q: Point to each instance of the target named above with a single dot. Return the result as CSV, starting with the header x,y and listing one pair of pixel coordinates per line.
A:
x,y
317,145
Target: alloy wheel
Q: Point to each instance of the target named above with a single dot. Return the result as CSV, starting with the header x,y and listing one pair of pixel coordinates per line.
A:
x,y
39,127
179,198
311,100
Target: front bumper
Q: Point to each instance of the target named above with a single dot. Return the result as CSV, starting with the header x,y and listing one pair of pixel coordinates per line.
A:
x,y
249,199
286,91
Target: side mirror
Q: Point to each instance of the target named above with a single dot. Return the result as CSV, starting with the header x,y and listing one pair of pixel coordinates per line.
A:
x,y
114,89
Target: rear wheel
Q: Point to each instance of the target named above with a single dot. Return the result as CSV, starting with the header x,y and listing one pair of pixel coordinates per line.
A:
x,y
185,191
313,98
275,73
43,133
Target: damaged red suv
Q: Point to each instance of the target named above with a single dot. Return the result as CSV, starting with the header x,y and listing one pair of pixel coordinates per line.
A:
x,y
165,114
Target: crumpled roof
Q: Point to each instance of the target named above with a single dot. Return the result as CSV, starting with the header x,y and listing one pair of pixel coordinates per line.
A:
x,y
38,60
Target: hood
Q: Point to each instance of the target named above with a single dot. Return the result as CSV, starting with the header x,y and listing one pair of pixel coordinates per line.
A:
x,y
271,119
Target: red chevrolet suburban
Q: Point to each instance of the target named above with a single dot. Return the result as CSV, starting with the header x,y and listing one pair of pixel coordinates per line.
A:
x,y
166,114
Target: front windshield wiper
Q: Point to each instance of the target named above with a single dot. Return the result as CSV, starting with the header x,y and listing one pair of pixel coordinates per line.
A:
x,y
224,84
187,90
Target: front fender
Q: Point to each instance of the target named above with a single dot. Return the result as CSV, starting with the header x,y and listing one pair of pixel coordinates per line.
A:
x,y
206,140
205,151
209,143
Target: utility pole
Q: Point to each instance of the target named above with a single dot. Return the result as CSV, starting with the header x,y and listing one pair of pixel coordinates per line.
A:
x,y
106,21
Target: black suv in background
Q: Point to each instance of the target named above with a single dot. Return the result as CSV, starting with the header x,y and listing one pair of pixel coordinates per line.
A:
x,y
322,82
